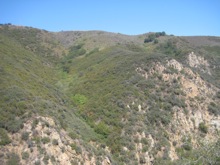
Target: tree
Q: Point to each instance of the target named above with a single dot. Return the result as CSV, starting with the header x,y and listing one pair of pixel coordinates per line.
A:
x,y
153,37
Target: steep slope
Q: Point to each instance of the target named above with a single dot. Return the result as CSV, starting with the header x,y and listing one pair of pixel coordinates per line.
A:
x,y
104,98
35,115
151,104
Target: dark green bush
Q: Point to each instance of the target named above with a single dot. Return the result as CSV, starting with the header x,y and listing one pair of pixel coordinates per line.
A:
x,y
45,140
187,146
156,41
214,108
145,148
203,128
37,162
25,155
25,136
144,141
13,159
152,37
102,129
14,126
142,160
66,68
4,138
55,142
73,135
174,143
46,159
35,122
79,99
170,48
218,94
78,150
75,51
73,146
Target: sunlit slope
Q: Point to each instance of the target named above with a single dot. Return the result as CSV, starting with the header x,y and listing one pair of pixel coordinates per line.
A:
x,y
28,89
146,99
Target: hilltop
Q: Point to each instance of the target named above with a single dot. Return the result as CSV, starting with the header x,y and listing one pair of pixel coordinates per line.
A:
x,y
95,97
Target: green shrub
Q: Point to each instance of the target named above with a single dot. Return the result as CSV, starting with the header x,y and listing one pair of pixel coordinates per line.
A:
x,y
4,138
36,139
14,126
102,129
73,135
75,51
142,160
37,162
153,37
174,143
78,150
218,94
73,146
203,128
25,136
13,159
45,140
144,141
53,159
55,142
156,41
214,108
79,99
21,105
66,68
145,149
46,159
25,155
35,123
187,146
150,38
170,48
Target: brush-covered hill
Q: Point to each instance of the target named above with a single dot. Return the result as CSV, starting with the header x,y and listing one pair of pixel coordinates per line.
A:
x,y
103,98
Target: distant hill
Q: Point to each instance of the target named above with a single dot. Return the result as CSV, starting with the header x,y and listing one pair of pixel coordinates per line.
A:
x,y
95,97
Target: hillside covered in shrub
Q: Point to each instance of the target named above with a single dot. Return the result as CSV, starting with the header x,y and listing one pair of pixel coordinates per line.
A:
x,y
103,98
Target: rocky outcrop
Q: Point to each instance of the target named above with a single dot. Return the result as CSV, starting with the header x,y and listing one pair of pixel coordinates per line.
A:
x,y
196,61
41,141
185,125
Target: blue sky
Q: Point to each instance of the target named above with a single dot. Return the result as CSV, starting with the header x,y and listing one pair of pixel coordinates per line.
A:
x,y
178,17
